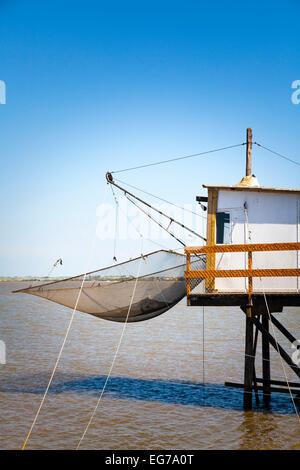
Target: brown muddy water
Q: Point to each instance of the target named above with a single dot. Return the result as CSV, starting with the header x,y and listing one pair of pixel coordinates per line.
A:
x,y
159,396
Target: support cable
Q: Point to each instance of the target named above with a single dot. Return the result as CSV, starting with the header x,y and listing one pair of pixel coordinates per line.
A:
x,y
116,223
62,346
149,239
110,180
154,220
115,356
203,352
161,199
250,302
178,158
58,262
278,154
281,360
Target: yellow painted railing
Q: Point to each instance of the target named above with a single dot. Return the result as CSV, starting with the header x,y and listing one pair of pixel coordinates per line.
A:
x,y
249,273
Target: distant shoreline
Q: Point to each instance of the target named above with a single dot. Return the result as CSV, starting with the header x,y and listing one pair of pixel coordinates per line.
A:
x,y
29,278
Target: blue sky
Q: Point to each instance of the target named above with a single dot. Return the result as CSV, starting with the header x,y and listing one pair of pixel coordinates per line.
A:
x,y
95,86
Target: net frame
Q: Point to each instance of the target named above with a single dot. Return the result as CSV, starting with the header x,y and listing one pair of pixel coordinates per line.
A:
x,y
152,299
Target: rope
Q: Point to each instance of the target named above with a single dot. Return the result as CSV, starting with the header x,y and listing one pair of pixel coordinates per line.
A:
x,y
178,158
162,199
278,154
203,350
55,366
274,334
145,238
131,195
281,360
141,235
61,348
114,358
156,221
58,262
116,222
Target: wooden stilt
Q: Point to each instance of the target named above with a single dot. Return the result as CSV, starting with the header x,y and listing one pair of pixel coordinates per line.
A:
x,y
254,371
266,364
249,360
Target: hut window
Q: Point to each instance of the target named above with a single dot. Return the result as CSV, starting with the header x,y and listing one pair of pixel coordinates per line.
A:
x,y
223,227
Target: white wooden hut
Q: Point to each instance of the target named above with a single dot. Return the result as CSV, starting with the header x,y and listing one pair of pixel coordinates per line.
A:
x,y
252,261
249,213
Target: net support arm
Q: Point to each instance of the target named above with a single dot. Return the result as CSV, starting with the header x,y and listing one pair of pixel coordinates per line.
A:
x,y
110,180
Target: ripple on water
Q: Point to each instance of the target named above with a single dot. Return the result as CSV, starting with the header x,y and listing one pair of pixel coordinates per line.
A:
x,y
159,396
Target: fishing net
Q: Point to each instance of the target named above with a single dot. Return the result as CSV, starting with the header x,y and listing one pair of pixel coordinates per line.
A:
x,y
150,285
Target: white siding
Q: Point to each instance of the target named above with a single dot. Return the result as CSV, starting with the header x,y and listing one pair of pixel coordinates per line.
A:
x,y
272,217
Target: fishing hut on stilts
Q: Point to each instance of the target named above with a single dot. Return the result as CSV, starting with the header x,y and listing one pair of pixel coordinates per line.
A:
x,y
252,261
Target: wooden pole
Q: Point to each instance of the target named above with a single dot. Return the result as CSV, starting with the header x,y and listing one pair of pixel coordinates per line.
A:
x,y
254,371
266,364
249,152
249,360
249,345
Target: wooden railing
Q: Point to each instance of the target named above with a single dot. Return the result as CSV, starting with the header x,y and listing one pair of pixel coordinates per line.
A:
x,y
249,273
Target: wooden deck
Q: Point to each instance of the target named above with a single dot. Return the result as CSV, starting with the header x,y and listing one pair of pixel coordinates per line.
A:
x,y
275,300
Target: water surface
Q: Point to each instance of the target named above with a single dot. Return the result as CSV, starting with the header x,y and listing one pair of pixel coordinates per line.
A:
x,y
162,394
